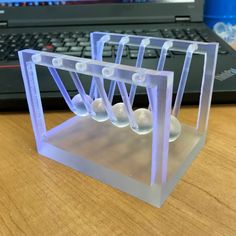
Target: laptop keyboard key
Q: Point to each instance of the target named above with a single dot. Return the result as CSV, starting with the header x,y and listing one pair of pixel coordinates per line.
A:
x,y
150,53
12,56
82,39
62,49
107,54
107,48
41,40
138,31
222,52
84,44
76,54
67,40
133,54
70,44
87,54
76,49
55,40
129,32
88,48
76,35
87,35
155,34
48,48
57,44
118,31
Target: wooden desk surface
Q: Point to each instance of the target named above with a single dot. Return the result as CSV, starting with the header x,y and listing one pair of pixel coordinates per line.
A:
x,y
41,197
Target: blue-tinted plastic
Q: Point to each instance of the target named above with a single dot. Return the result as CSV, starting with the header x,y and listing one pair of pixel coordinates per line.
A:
x,y
142,159
220,11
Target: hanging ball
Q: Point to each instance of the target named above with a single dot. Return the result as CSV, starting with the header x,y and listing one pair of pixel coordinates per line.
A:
x,y
100,111
79,104
120,113
143,118
175,128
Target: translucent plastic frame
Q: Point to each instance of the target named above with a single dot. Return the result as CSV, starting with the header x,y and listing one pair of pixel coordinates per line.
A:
x,y
145,166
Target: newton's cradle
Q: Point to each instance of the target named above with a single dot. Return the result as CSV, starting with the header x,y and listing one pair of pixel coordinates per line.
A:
x,y
143,151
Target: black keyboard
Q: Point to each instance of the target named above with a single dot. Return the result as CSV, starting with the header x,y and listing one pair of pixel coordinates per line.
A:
x,y
78,43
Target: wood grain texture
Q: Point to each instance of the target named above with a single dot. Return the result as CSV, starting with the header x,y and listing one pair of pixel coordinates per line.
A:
x,y
41,197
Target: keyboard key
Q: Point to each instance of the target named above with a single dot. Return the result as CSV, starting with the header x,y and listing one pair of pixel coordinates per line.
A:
x,y
88,48
118,31
130,32
62,49
222,52
107,54
48,48
155,34
84,44
55,40
87,35
12,56
66,40
167,33
3,36
133,54
28,40
76,49
12,45
39,44
70,44
42,40
76,54
107,48
76,35
57,44
133,48
27,45
87,54
138,31
150,53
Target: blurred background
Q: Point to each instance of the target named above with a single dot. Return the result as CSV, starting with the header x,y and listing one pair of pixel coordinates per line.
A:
x,y
221,16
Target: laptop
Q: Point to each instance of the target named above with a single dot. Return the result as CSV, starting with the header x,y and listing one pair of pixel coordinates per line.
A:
x,y
65,26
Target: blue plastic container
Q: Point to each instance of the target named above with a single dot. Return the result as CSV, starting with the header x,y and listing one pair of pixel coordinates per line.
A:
x,y
220,11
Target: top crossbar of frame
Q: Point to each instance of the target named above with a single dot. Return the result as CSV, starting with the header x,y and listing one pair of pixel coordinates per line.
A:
x,y
123,73
177,45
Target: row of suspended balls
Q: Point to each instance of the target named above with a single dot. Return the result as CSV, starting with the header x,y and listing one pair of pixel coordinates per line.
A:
x,y
142,116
